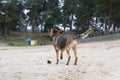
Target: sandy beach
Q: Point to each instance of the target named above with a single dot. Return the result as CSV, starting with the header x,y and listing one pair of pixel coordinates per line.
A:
x,y
96,61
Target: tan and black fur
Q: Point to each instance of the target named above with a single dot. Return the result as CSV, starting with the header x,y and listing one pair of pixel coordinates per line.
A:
x,y
63,42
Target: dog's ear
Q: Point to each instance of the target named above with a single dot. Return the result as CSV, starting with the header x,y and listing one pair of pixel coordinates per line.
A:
x,y
55,31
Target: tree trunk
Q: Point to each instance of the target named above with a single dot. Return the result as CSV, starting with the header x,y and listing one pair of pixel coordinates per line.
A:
x,y
33,24
114,30
41,27
96,21
35,15
109,26
5,22
5,28
20,17
105,24
71,23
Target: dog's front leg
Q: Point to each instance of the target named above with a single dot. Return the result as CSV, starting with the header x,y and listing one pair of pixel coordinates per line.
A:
x,y
57,53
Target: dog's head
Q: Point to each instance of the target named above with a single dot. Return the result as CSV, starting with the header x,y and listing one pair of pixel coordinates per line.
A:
x,y
55,31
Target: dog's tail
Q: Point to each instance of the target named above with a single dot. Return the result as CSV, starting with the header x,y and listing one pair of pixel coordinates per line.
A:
x,y
85,34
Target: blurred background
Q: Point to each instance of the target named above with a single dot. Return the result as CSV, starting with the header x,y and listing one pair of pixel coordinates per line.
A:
x,y
35,18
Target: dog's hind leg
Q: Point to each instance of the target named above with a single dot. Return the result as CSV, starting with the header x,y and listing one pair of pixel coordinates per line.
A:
x,y
68,53
75,54
61,54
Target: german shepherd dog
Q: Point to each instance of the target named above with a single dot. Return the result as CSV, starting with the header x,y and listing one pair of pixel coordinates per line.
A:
x,y
63,42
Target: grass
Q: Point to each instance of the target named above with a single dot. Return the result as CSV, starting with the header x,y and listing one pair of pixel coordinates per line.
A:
x,y
19,39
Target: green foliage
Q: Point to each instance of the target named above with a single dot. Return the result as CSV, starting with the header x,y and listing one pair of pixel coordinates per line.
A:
x,y
56,14
11,16
84,14
55,18
47,13
69,10
49,23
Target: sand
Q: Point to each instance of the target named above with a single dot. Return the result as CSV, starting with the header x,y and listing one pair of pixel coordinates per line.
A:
x,y
96,61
